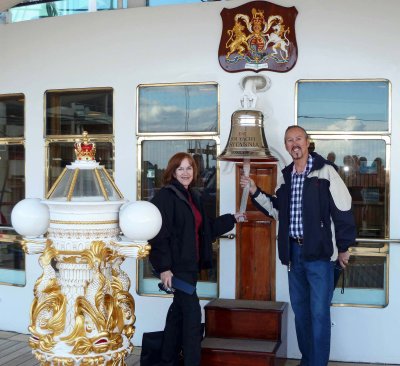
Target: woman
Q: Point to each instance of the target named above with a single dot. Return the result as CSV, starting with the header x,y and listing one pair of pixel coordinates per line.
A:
x,y
181,249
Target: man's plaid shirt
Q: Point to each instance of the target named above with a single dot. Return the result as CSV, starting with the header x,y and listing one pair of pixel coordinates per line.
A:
x,y
296,200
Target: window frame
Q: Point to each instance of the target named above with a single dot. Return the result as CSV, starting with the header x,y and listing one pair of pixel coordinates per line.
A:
x,y
387,140
372,132
361,250
171,136
179,133
71,140
48,139
14,238
202,286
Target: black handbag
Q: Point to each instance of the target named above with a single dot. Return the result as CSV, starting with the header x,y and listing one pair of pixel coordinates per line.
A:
x,y
151,350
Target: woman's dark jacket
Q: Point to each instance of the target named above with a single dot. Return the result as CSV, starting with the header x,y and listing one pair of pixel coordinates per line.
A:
x,y
174,247
328,221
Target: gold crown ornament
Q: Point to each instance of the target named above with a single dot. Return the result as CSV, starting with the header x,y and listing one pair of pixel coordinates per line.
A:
x,y
84,149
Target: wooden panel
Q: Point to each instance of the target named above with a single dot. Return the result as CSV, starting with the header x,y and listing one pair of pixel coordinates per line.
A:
x,y
224,358
255,241
255,269
245,324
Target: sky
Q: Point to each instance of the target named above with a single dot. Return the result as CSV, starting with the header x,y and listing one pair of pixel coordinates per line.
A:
x,y
343,106
178,108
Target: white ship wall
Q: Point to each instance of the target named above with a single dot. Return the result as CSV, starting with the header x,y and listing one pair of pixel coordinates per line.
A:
x,y
123,48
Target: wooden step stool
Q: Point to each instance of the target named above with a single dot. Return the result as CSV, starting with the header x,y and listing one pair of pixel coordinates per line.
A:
x,y
244,332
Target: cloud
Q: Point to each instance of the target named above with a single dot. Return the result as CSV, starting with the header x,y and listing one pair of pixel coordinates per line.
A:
x,y
351,123
160,118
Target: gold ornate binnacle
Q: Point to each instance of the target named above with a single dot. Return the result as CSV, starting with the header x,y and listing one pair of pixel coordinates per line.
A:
x,y
117,360
144,251
107,308
82,312
94,321
48,309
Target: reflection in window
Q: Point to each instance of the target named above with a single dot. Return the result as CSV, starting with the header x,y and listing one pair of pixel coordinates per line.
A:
x,y
12,259
343,106
61,153
12,180
109,4
365,281
12,186
12,115
70,112
12,154
171,2
178,108
187,118
362,165
155,156
361,110
47,8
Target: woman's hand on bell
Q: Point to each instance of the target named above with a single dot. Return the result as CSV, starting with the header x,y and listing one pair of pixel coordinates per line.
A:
x,y
240,216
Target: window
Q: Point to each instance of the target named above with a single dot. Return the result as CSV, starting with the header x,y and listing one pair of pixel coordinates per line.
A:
x,y
68,114
171,2
361,162
343,106
37,9
12,186
173,118
12,259
349,123
178,109
47,8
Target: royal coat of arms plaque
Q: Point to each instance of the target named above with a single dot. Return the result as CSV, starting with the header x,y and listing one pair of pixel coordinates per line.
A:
x,y
258,36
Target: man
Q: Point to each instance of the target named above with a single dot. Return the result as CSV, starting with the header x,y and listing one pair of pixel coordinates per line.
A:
x,y
331,157
316,226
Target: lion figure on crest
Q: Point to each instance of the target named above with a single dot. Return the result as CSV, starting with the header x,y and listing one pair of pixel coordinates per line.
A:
x,y
237,41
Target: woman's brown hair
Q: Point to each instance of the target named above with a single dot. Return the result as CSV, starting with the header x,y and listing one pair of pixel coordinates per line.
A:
x,y
174,163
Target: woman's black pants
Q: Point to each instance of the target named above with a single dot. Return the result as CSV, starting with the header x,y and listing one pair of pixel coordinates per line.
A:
x,y
182,330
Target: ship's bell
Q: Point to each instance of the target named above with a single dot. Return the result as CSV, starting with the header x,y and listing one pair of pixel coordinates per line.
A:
x,y
247,139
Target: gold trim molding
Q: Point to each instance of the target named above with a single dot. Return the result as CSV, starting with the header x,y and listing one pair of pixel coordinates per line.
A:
x,y
62,222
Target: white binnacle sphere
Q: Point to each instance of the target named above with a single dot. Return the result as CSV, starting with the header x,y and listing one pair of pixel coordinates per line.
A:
x,y
30,217
124,205
140,221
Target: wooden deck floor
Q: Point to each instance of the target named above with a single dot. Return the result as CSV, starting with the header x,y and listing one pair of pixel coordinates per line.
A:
x,y
15,351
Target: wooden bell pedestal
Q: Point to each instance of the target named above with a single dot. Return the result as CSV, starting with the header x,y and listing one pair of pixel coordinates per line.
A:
x,y
251,329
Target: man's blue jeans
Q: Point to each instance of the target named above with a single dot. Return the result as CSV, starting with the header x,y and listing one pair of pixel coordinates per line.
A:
x,y
311,290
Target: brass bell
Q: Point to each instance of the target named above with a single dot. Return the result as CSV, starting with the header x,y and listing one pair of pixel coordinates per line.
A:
x,y
247,139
